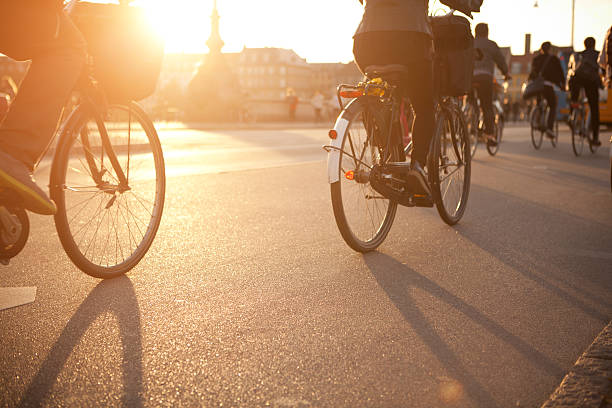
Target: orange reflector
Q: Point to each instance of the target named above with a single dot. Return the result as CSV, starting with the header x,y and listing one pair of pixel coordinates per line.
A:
x,y
351,94
350,175
333,134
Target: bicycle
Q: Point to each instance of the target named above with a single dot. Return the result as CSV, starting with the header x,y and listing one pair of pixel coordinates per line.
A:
x,y
366,160
538,121
475,123
108,182
580,125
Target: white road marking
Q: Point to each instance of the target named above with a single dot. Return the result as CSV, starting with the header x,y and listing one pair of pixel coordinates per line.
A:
x,y
13,297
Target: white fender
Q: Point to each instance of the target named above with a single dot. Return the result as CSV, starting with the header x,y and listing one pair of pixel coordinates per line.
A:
x,y
333,157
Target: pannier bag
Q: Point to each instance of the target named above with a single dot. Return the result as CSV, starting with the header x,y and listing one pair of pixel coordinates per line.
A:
x,y
454,55
127,54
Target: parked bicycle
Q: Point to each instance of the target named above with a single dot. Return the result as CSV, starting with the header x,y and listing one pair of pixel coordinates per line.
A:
x,y
367,167
538,122
108,182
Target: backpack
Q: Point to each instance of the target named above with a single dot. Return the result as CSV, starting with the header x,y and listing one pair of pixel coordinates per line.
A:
x,y
454,55
586,68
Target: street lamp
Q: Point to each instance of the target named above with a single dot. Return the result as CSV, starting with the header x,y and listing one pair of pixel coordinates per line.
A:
x,y
573,14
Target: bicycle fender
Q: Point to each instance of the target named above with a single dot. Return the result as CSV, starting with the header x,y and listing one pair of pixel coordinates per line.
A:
x,y
341,125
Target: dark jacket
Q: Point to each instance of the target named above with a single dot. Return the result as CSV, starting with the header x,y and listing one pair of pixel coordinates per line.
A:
x,y
492,56
395,15
552,69
584,66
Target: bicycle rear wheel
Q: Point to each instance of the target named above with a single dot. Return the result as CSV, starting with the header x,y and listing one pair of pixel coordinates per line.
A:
x,y
363,216
104,224
450,166
577,128
536,122
471,122
499,129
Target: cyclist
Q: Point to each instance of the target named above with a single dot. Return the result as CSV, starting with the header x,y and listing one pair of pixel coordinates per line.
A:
x,y
549,66
40,31
483,76
399,32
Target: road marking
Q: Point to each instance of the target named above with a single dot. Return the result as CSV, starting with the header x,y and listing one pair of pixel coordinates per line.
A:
x,y
13,297
594,254
541,167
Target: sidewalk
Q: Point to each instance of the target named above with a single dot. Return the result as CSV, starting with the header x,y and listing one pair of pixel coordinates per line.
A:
x,y
589,383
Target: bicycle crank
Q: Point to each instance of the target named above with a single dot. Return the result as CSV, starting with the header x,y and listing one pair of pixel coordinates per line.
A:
x,y
385,181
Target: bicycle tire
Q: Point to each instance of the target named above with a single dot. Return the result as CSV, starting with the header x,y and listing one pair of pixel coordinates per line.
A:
x,y
535,123
348,219
589,134
471,121
555,140
577,128
82,126
499,129
459,145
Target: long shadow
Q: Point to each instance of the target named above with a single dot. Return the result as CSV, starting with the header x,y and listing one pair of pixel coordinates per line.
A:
x,y
116,296
525,235
397,280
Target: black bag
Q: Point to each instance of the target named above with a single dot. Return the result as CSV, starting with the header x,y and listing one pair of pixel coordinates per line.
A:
x,y
127,54
587,69
537,85
454,55
464,6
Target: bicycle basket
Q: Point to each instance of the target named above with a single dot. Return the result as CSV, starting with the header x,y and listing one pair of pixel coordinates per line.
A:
x,y
126,52
454,55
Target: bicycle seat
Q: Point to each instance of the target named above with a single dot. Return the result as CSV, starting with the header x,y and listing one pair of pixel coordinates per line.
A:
x,y
388,72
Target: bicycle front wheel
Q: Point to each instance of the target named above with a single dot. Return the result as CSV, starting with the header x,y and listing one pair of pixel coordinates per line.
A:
x,y
537,134
363,216
450,166
108,182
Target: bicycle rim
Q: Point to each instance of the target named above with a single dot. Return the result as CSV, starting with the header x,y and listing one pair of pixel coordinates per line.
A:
x,y
499,128
363,216
577,129
536,134
450,164
106,230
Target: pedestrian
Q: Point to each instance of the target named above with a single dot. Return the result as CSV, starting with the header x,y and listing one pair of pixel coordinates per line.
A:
x,y
318,100
292,102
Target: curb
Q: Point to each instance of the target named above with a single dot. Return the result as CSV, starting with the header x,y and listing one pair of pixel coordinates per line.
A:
x,y
589,382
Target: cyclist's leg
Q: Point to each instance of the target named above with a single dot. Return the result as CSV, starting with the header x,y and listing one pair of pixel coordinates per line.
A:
x,y
551,99
485,94
592,94
57,51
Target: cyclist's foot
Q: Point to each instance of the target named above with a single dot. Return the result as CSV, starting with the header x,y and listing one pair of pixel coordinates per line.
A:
x,y
14,175
550,134
491,140
596,143
417,179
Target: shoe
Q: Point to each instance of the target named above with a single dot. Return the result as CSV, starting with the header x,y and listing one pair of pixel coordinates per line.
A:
x,y
417,179
550,134
14,175
596,143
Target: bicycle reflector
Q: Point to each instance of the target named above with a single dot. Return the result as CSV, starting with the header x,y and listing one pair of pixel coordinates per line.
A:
x,y
333,134
351,94
350,175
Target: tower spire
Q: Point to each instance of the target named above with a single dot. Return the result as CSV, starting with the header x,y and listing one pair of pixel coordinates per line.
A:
x,y
214,43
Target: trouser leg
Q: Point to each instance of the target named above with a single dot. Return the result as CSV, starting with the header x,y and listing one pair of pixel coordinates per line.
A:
x,y
57,51
592,93
419,88
551,98
485,94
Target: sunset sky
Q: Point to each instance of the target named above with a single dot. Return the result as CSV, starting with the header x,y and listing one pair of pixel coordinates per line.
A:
x,y
321,30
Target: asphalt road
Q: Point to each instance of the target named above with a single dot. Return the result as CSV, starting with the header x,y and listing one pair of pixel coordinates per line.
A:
x,y
250,297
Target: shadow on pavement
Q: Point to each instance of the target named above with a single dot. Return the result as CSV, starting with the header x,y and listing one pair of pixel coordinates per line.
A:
x,y
118,297
397,280
547,246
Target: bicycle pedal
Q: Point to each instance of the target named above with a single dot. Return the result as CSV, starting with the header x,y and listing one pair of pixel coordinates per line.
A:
x,y
423,201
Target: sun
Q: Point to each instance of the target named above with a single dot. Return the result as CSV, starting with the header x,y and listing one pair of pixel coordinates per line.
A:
x,y
183,24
